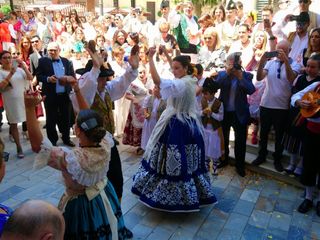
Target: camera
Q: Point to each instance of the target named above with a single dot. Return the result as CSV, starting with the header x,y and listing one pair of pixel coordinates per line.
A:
x,y
294,18
236,64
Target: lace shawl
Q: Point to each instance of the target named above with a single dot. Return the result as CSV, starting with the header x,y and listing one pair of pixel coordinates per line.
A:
x,y
181,103
87,166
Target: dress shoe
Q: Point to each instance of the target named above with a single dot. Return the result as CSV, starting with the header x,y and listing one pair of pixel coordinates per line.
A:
x,y
69,143
290,169
278,166
258,161
318,208
241,172
305,206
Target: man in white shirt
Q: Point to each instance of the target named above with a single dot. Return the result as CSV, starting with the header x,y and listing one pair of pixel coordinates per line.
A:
x,y
100,93
279,75
299,38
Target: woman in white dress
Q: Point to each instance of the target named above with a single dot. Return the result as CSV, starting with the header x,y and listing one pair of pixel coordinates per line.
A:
x,y
122,105
13,82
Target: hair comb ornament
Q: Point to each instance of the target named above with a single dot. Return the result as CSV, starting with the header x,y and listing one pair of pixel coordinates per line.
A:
x,y
89,124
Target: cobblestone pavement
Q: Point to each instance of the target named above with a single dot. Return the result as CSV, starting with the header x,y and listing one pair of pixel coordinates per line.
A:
x,y
254,207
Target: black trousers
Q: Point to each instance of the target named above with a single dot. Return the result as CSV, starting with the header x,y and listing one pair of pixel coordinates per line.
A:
x,y
231,120
58,109
278,119
115,172
311,159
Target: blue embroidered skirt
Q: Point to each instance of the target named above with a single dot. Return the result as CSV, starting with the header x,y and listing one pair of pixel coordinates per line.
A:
x,y
88,220
175,178
4,216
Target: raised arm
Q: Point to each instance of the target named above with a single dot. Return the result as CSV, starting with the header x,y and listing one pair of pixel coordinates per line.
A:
x,y
35,135
154,74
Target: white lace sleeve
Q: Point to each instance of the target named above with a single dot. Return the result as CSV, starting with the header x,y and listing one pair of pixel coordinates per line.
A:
x,y
43,157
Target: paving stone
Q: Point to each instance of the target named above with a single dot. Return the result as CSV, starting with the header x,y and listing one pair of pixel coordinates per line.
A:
x,y
284,206
226,204
302,221
289,193
131,220
251,232
232,192
280,221
227,234
159,233
222,181
265,204
236,222
275,234
296,233
259,219
141,231
153,218
315,230
244,207
182,234
10,192
250,195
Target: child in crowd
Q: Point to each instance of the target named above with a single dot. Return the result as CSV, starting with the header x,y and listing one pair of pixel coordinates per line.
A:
x,y
153,106
212,114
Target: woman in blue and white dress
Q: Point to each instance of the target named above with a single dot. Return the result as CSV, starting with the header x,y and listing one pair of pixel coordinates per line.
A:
x,y
173,176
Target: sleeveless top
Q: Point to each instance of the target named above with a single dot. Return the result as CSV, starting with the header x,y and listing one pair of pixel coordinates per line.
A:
x,y
104,107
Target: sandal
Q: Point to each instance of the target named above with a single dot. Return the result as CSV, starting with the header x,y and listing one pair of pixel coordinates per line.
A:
x,y
20,153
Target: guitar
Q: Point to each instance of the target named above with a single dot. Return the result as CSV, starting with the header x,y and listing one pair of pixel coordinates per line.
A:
x,y
314,98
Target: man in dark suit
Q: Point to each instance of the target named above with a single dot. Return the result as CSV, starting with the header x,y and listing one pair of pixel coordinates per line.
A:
x,y
235,85
52,72
39,52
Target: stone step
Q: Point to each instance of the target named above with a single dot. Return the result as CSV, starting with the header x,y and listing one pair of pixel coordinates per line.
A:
x,y
266,168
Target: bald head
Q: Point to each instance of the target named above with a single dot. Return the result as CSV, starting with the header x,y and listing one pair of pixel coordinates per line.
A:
x,y
284,45
35,220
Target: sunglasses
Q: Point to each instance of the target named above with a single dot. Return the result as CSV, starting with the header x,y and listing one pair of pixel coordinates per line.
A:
x,y
8,57
279,71
303,1
35,41
15,53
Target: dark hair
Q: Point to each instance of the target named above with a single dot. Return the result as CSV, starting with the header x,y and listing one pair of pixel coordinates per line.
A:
x,y
36,36
3,53
135,37
185,61
315,57
91,123
199,68
210,86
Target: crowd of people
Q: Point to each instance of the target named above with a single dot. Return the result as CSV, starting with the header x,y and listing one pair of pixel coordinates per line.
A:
x,y
172,89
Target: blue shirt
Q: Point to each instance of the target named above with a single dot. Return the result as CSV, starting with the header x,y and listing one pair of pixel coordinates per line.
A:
x,y
59,71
